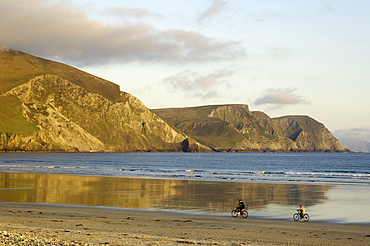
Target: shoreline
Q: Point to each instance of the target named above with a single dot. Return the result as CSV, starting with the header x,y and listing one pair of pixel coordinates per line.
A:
x,y
180,212
96,226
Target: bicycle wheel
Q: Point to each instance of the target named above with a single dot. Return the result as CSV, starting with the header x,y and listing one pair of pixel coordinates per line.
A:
x,y
244,213
296,216
234,213
306,217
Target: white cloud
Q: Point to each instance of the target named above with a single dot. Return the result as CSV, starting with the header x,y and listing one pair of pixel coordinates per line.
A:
x,y
216,7
280,97
132,12
57,30
194,84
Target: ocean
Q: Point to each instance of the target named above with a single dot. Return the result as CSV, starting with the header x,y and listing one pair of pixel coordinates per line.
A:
x,y
332,186
242,167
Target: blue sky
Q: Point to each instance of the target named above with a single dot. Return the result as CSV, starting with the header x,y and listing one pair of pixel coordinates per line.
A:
x,y
282,57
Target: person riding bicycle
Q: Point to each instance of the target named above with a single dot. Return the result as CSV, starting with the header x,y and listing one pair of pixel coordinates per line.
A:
x,y
240,206
301,210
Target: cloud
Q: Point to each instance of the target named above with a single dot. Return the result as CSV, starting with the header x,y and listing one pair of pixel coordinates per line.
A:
x,y
326,6
280,51
280,97
194,84
215,8
57,30
132,12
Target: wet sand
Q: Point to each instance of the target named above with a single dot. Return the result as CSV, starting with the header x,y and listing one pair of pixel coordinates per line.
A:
x,y
34,224
324,202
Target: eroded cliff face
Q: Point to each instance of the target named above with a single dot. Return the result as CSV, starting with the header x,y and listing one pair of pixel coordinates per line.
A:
x,y
257,129
69,118
308,134
235,128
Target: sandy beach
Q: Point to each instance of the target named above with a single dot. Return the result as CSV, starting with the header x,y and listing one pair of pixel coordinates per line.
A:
x,y
28,224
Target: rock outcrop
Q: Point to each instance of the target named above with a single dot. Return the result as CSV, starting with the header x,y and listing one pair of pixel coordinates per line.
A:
x,y
307,133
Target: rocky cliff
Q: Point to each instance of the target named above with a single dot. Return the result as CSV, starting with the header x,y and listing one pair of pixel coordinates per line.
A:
x,y
235,128
69,110
307,133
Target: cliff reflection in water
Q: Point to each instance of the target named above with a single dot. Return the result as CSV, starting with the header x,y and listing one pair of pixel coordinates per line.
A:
x,y
161,194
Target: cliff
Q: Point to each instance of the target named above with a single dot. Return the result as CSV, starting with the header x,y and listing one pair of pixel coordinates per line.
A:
x,y
308,134
235,128
48,106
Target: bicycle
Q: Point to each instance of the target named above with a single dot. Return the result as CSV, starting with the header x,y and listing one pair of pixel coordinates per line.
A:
x,y
243,213
297,216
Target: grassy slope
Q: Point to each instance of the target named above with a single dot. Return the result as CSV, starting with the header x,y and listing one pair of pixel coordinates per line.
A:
x,y
11,118
18,68
212,132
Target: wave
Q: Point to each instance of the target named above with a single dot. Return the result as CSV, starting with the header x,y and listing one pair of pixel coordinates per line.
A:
x,y
235,175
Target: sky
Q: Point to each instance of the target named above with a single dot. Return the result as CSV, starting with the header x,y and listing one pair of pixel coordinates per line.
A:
x,y
282,57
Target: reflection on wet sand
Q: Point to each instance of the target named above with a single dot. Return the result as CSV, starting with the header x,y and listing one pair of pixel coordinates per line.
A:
x,y
161,194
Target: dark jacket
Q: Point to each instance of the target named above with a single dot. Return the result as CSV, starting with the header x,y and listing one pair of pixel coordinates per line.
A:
x,y
241,205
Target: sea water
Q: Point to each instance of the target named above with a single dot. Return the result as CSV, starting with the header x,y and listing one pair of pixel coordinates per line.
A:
x,y
243,167
334,187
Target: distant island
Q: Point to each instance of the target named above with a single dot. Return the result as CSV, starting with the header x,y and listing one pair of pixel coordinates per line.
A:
x,y
356,145
50,106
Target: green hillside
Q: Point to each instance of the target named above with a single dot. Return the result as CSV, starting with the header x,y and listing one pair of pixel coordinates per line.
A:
x,y
196,123
18,68
11,117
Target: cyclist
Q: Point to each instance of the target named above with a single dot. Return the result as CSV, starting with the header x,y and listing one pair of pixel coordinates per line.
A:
x,y
240,206
301,210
